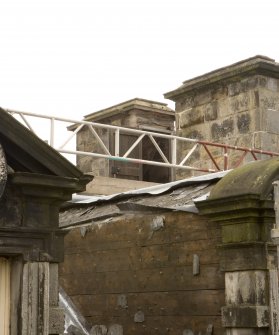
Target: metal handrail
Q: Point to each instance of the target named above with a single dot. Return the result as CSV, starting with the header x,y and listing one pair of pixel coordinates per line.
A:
x,y
172,162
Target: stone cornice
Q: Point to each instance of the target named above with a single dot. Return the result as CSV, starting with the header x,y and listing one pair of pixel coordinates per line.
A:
x,y
49,186
255,65
138,103
126,106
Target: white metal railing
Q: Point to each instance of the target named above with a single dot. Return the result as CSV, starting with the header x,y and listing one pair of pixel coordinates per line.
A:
x,y
219,162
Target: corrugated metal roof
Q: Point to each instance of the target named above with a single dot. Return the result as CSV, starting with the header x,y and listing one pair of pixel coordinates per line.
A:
x,y
154,190
176,196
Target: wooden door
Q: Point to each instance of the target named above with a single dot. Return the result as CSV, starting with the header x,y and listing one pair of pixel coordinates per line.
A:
x,y
4,296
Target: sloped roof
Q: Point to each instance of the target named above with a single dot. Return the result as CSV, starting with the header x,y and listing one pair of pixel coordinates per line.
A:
x,y
25,152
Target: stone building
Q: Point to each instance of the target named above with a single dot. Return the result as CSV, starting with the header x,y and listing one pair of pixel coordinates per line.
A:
x,y
189,257
237,105
138,114
198,256
34,181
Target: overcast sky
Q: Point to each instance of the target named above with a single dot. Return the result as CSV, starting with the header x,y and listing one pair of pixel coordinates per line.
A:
x,y
74,57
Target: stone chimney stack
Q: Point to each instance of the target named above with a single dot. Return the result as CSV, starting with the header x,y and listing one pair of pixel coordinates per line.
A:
x,y
236,105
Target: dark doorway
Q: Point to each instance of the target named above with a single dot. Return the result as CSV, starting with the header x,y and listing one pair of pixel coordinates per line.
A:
x,y
144,150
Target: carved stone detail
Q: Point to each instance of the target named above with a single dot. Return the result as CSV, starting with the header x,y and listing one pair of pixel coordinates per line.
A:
x,y
3,171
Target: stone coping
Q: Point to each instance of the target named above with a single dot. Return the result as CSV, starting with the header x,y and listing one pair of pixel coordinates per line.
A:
x,y
254,65
139,103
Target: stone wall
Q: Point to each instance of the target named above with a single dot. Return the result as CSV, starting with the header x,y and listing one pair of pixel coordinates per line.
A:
x,y
87,142
236,105
146,274
242,203
236,113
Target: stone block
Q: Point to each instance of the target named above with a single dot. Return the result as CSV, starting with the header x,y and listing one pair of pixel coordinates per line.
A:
x,y
246,287
211,111
223,109
241,102
85,163
266,141
73,330
262,81
56,320
185,103
116,122
220,131
271,120
86,141
219,92
122,301
247,331
203,97
248,316
99,166
271,84
245,140
53,282
189,117
187,332
243,257
234,89
268,99
115,329
243,122
242,86
194,134
247,231
197,132
98,330
249,83
139,317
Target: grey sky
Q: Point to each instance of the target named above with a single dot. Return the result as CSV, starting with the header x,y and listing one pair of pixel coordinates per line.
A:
x,y
73,57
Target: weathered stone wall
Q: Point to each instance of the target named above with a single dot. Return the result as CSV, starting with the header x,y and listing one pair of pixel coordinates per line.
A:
x,y
148,274
242,203
235,113
87,142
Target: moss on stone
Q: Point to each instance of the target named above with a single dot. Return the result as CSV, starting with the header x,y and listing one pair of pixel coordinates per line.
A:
x,y
254,178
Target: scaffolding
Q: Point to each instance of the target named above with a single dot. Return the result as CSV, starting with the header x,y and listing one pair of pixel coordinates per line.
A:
x,y
219,159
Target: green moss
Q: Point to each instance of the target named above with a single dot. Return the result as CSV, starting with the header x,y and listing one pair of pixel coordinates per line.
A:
x,y
254,178
241,232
